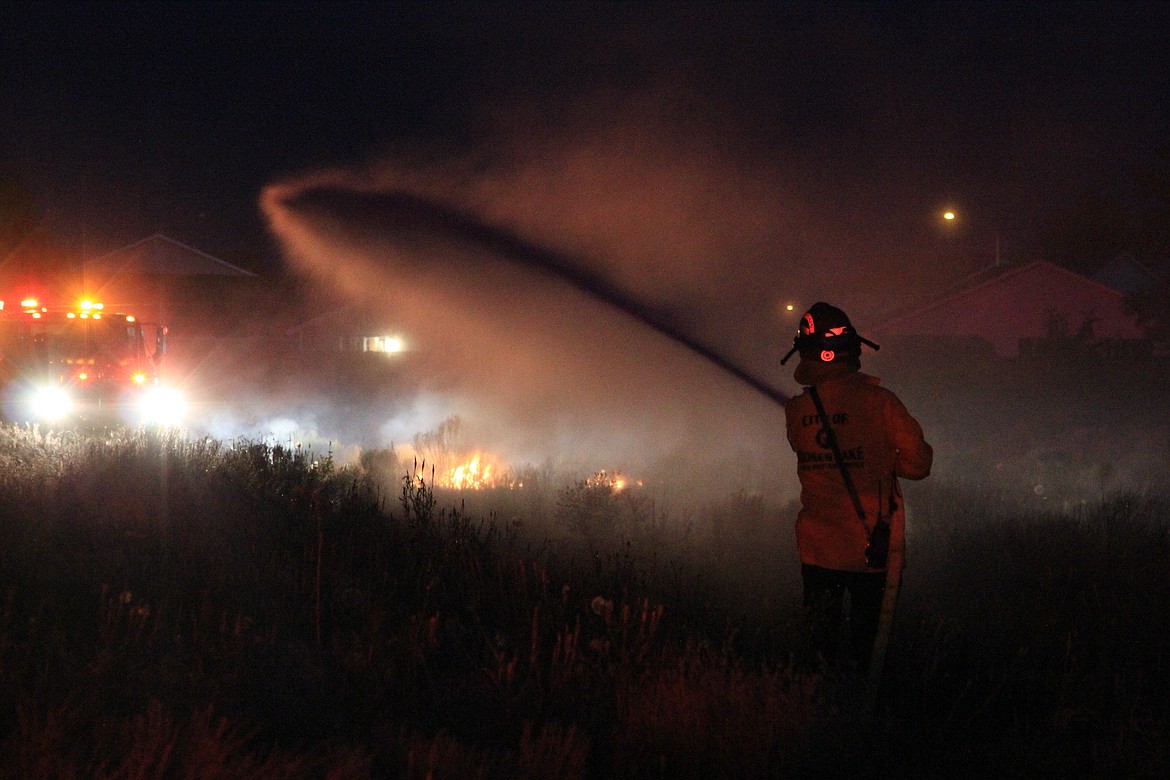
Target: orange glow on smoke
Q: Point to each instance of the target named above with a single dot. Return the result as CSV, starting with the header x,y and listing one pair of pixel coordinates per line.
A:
x,y
614,481
483,471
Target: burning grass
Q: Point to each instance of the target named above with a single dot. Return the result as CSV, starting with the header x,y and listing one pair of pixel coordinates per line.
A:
x,y
198,608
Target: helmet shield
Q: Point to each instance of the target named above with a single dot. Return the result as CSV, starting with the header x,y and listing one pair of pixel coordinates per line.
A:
x,y
826,334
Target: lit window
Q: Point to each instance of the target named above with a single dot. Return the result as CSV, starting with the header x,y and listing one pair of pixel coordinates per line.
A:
x,y
382,344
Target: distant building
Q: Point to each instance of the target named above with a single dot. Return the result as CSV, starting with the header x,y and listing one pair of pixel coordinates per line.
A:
x,y
348,328
163,280
159,255
1014,309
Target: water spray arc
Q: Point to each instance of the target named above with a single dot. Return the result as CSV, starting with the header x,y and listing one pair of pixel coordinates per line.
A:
x,y
408,212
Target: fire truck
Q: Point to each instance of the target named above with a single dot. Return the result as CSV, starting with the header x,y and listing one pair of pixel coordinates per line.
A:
x,y
65,364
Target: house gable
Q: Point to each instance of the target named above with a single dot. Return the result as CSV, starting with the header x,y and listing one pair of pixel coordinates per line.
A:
x,y
1005,306
159,255
162,280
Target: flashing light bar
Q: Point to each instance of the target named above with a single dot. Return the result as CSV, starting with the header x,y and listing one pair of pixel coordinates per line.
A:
x,y
85,309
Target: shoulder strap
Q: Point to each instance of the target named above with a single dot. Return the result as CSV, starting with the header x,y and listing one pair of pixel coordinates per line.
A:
x,y
831,436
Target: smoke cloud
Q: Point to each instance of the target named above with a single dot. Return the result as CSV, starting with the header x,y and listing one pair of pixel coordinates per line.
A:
x,y
644,211
711,185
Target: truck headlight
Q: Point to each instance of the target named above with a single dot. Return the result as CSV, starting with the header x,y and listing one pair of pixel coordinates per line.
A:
x,y
162,406
50,403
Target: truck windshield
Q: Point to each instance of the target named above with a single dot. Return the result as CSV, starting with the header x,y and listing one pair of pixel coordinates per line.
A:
x,y
101,341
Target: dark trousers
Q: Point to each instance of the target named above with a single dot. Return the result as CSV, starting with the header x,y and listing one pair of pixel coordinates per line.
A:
x,y
824,602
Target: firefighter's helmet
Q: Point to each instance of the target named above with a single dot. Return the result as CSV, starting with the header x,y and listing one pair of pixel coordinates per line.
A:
x,y
826,335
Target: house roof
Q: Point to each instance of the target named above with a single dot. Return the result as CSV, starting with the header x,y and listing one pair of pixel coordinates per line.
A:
x,y
1005,304
349,317
162,255
980,281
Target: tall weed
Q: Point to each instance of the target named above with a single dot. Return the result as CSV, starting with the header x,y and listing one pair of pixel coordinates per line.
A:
x,y
176,607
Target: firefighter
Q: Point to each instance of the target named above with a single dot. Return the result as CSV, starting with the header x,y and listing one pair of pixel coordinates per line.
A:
x,y
853,439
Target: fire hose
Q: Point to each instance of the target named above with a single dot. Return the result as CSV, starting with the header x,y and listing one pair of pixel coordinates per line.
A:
x,y
414,212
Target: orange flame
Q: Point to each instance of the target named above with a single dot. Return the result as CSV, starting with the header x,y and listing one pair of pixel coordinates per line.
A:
x,y
615,481
471,475
477,472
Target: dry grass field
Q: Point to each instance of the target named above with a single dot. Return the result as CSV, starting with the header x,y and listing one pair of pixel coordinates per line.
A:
x,y
192,608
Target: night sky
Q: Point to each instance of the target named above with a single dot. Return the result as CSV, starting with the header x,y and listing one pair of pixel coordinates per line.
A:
x,y
709,161
123,119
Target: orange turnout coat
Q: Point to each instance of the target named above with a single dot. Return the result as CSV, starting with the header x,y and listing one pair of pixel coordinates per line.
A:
x,y
880,443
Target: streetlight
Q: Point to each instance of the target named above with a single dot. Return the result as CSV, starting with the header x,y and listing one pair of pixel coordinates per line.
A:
x,y
951,216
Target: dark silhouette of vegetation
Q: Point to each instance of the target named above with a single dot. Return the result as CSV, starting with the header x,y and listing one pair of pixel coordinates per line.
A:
x,y
174,607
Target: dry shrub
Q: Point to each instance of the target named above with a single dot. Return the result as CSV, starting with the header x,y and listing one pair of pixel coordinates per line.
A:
x,y
68,742
707,715
555,752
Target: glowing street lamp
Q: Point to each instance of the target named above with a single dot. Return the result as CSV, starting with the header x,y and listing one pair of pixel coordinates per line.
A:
x,y
786,310
951,216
